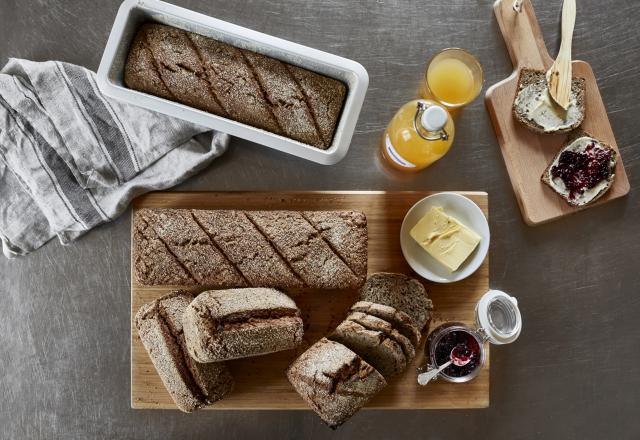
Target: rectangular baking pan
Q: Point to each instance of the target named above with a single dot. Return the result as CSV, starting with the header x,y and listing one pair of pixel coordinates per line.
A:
x,y
133,13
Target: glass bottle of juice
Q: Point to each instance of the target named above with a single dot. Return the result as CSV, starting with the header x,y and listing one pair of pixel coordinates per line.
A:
x,y
420,133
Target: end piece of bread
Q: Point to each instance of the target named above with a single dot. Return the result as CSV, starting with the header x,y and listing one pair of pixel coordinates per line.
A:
x,y
334,381
599,190
538,81
229,324
190,384
400,292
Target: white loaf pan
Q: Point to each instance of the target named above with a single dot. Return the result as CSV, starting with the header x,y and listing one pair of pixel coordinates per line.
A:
x,y
133,13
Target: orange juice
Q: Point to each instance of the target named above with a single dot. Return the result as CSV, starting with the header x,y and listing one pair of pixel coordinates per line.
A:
x,y
420,133
454,77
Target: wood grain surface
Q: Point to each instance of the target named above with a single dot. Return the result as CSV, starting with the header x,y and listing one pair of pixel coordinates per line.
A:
x,y
260,381
527,154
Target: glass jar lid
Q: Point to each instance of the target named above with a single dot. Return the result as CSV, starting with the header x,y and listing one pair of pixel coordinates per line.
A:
x,y
498,317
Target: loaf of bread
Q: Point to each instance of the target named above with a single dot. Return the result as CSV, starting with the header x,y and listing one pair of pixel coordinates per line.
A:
x,y
401,292
235,83
223,249
334,381
220,325
191,385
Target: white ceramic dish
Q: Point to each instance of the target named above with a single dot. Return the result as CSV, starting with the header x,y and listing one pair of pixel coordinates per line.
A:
x,y
465,211
132,13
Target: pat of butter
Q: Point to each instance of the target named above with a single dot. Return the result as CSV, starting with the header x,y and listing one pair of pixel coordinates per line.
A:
x,y
445,238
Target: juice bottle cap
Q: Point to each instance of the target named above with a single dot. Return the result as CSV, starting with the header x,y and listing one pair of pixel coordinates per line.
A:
x,y
434,118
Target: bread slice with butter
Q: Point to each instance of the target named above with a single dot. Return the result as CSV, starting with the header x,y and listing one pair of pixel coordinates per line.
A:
x,y
583,170
534,107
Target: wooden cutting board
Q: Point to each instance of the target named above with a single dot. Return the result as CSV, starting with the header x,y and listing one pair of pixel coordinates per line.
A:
x,y
527,154
260,381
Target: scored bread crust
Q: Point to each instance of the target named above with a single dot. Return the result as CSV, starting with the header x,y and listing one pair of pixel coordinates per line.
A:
x,y
334,381
230,324
529,76
570,139
190,384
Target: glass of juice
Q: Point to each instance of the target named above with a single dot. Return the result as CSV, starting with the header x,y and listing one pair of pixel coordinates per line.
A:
x,y
454,77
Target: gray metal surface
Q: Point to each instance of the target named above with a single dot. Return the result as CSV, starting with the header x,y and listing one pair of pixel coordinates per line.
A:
x,y
64,326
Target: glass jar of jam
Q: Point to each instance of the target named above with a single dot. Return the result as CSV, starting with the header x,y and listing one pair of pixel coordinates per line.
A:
x,y
498,321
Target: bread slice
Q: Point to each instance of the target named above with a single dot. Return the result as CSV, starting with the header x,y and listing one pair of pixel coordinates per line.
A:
x,y
373,346
377,324
402,322
220,325
400,292
190,384
334,381
532,84
580,142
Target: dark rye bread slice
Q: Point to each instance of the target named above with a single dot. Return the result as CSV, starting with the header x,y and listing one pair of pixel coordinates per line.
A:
x,y
400,292
153,263
546,175
190,384
247,248
191,246
235,83
334,381
402,322
229,324
382,352
538,79
304,249
346,233
371,322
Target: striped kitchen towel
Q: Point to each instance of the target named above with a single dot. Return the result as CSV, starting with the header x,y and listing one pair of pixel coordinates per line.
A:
x,y
72,158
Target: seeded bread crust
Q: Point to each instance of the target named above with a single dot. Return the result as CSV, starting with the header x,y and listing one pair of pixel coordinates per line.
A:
x,y
229,324
400,292
572,137
533,76
374,323
190,384
334,381
235,83
402,322
382,352
225,248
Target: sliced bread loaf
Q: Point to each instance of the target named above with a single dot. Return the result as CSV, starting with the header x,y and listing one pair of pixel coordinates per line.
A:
x,y
334,381
374,323
373,346
190,384
400,292
402,322
229,324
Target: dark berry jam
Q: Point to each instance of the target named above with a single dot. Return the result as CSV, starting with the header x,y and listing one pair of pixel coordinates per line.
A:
x,y
584,169
465,348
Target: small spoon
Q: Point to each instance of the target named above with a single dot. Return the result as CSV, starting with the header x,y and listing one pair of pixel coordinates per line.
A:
x,y
559,75
456,357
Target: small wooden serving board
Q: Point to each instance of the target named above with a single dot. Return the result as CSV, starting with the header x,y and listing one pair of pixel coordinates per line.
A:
x,y
260,381
527,154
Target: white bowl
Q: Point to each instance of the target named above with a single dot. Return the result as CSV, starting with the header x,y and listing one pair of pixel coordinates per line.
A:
x,y
464,210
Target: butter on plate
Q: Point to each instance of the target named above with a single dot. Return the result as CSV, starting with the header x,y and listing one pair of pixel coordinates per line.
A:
x,y
445,238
